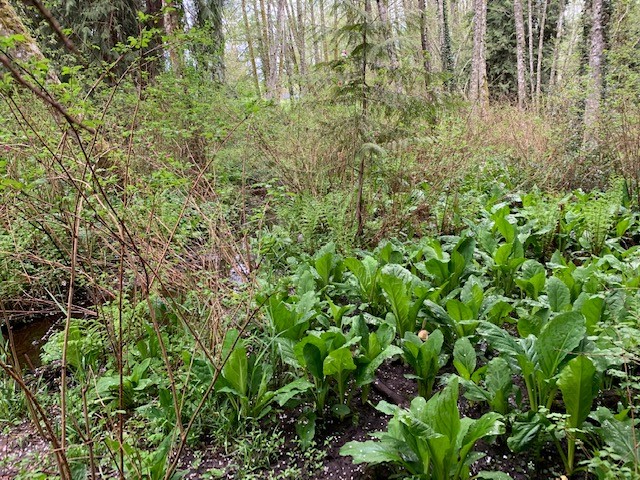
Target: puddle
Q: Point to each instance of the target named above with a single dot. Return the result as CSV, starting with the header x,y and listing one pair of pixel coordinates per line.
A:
x,y
29,338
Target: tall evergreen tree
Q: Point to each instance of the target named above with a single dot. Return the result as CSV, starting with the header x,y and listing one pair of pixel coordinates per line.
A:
x,y
209,48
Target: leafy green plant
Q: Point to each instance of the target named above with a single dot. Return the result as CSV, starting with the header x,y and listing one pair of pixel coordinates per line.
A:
x,y
143,464
338,312
375,348
429,440
12,400
425,358
464,358
327,357
404,309
289,322
579,385
85,346
367,275
539,359
327,266
532,278
245,378
502,259
620,456
495,388
134,386
447,270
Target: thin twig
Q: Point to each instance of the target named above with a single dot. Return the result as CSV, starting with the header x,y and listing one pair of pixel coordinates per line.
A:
x,y
47,98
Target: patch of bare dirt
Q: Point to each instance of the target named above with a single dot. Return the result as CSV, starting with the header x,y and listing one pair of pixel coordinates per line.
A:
x,y
22,450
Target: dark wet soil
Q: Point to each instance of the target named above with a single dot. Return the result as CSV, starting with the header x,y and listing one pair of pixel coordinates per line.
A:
x,y
332,434
285,459
29,338
24,452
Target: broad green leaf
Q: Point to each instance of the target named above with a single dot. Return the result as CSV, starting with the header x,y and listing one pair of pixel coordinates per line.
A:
x,y
337,312
464,358
399,299
559,337
313,359
436,267
306,429
622,226
338,361
499,384
235,370
558,294
529,325
340,410
493,476
290,390
386,334
501,257
592,309
457,265
230,339
325,263
139,370
306,283
400,272
288,323
472,295
368,372
498,311
487,425
620,434
441,412
389,254
579,385
500,339
466,247
524,432
532,268
458,310
506,229
366,272
371,452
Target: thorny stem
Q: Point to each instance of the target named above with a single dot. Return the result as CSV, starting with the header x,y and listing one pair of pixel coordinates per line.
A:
x,y
67,326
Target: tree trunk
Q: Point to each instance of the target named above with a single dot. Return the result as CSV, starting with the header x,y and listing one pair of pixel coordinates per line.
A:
x,y
365,113
387,33
556,46
447,57
252,55
530,24
276,53
299,33
424,43
323,32
540,52
265,54
27,49
596,53
314,33
290,49
335,28
520,46
171,27
479,90
290,63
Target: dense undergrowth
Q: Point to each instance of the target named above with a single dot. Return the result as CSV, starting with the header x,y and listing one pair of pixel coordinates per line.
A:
x,y
218,282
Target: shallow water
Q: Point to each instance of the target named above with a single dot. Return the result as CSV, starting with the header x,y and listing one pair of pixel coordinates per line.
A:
x,y
30,337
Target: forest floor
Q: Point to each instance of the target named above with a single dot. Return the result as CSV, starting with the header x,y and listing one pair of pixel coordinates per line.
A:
x,y
23,451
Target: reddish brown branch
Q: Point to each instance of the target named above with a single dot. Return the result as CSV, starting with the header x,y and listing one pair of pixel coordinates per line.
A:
x,y
42,94
54,24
